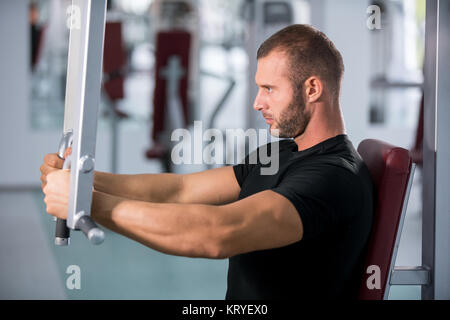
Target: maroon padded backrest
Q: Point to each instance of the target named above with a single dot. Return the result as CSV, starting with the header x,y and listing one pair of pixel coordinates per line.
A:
x,y
390,168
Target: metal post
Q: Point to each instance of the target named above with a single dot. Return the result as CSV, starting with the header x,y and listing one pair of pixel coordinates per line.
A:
x,y
84,72
436,150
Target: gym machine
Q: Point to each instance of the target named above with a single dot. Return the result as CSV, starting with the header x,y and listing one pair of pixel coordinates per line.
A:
x,y
84,72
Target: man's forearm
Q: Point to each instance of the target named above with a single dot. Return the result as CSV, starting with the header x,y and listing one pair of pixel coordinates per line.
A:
x,y
191,230
159,188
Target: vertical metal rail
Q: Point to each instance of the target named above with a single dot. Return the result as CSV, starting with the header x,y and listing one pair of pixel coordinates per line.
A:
x,y
436,151
84,72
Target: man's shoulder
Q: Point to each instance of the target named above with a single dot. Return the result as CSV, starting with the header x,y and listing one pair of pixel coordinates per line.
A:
x,y
278,145
268,150
345,166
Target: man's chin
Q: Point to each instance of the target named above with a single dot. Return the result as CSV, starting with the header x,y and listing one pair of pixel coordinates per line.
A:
x,y
275,132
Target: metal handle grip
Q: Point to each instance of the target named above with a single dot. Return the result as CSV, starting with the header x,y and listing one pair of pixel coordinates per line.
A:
x,y
62,233
90,229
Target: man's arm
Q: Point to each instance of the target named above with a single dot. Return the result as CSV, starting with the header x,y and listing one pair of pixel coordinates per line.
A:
x,y
215,186
262,221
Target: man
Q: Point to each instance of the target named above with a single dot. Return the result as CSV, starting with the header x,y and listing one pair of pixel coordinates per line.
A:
x,y
299,233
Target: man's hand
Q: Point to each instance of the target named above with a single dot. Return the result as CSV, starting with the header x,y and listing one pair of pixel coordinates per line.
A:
x,y
56,193
55,184
52,163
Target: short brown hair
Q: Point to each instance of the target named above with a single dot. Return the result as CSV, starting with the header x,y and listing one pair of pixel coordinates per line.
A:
x,y
310,53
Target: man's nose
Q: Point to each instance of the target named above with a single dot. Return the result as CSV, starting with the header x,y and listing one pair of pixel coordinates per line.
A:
x,y
258,104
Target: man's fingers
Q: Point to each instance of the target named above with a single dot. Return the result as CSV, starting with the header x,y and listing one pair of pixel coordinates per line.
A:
x,y
45,170
50,159
53,160
67,153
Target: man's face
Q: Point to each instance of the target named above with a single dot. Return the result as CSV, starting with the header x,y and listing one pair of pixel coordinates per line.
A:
x,y
281,105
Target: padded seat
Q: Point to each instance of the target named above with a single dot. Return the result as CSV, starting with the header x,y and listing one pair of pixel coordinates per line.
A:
x,y
390,168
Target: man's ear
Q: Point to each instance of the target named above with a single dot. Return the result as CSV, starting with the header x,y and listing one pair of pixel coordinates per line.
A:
x,y
313,89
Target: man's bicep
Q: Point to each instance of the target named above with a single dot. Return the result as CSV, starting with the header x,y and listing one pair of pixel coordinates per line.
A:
x,y
215,186
265,220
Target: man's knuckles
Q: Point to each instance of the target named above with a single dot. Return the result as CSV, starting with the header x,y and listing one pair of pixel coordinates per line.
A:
x,y
45,190
52,160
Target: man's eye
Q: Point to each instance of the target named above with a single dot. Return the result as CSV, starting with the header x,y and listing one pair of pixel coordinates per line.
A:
x,y
269,89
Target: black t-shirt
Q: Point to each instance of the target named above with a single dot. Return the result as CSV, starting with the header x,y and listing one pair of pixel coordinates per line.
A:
x,y
331,188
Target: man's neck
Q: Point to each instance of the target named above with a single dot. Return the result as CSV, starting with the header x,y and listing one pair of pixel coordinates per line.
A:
x,y
326,122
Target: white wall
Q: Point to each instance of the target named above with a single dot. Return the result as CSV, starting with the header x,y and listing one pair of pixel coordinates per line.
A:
x,y
344,22
18,161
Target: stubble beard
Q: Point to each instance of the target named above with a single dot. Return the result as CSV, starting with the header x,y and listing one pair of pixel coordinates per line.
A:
x,y
293,120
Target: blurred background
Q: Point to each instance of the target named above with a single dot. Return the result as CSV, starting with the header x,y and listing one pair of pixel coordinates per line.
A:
x,y
217,42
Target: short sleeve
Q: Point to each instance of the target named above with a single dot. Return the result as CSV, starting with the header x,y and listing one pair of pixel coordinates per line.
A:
x,y
315,195
253,160
242,170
